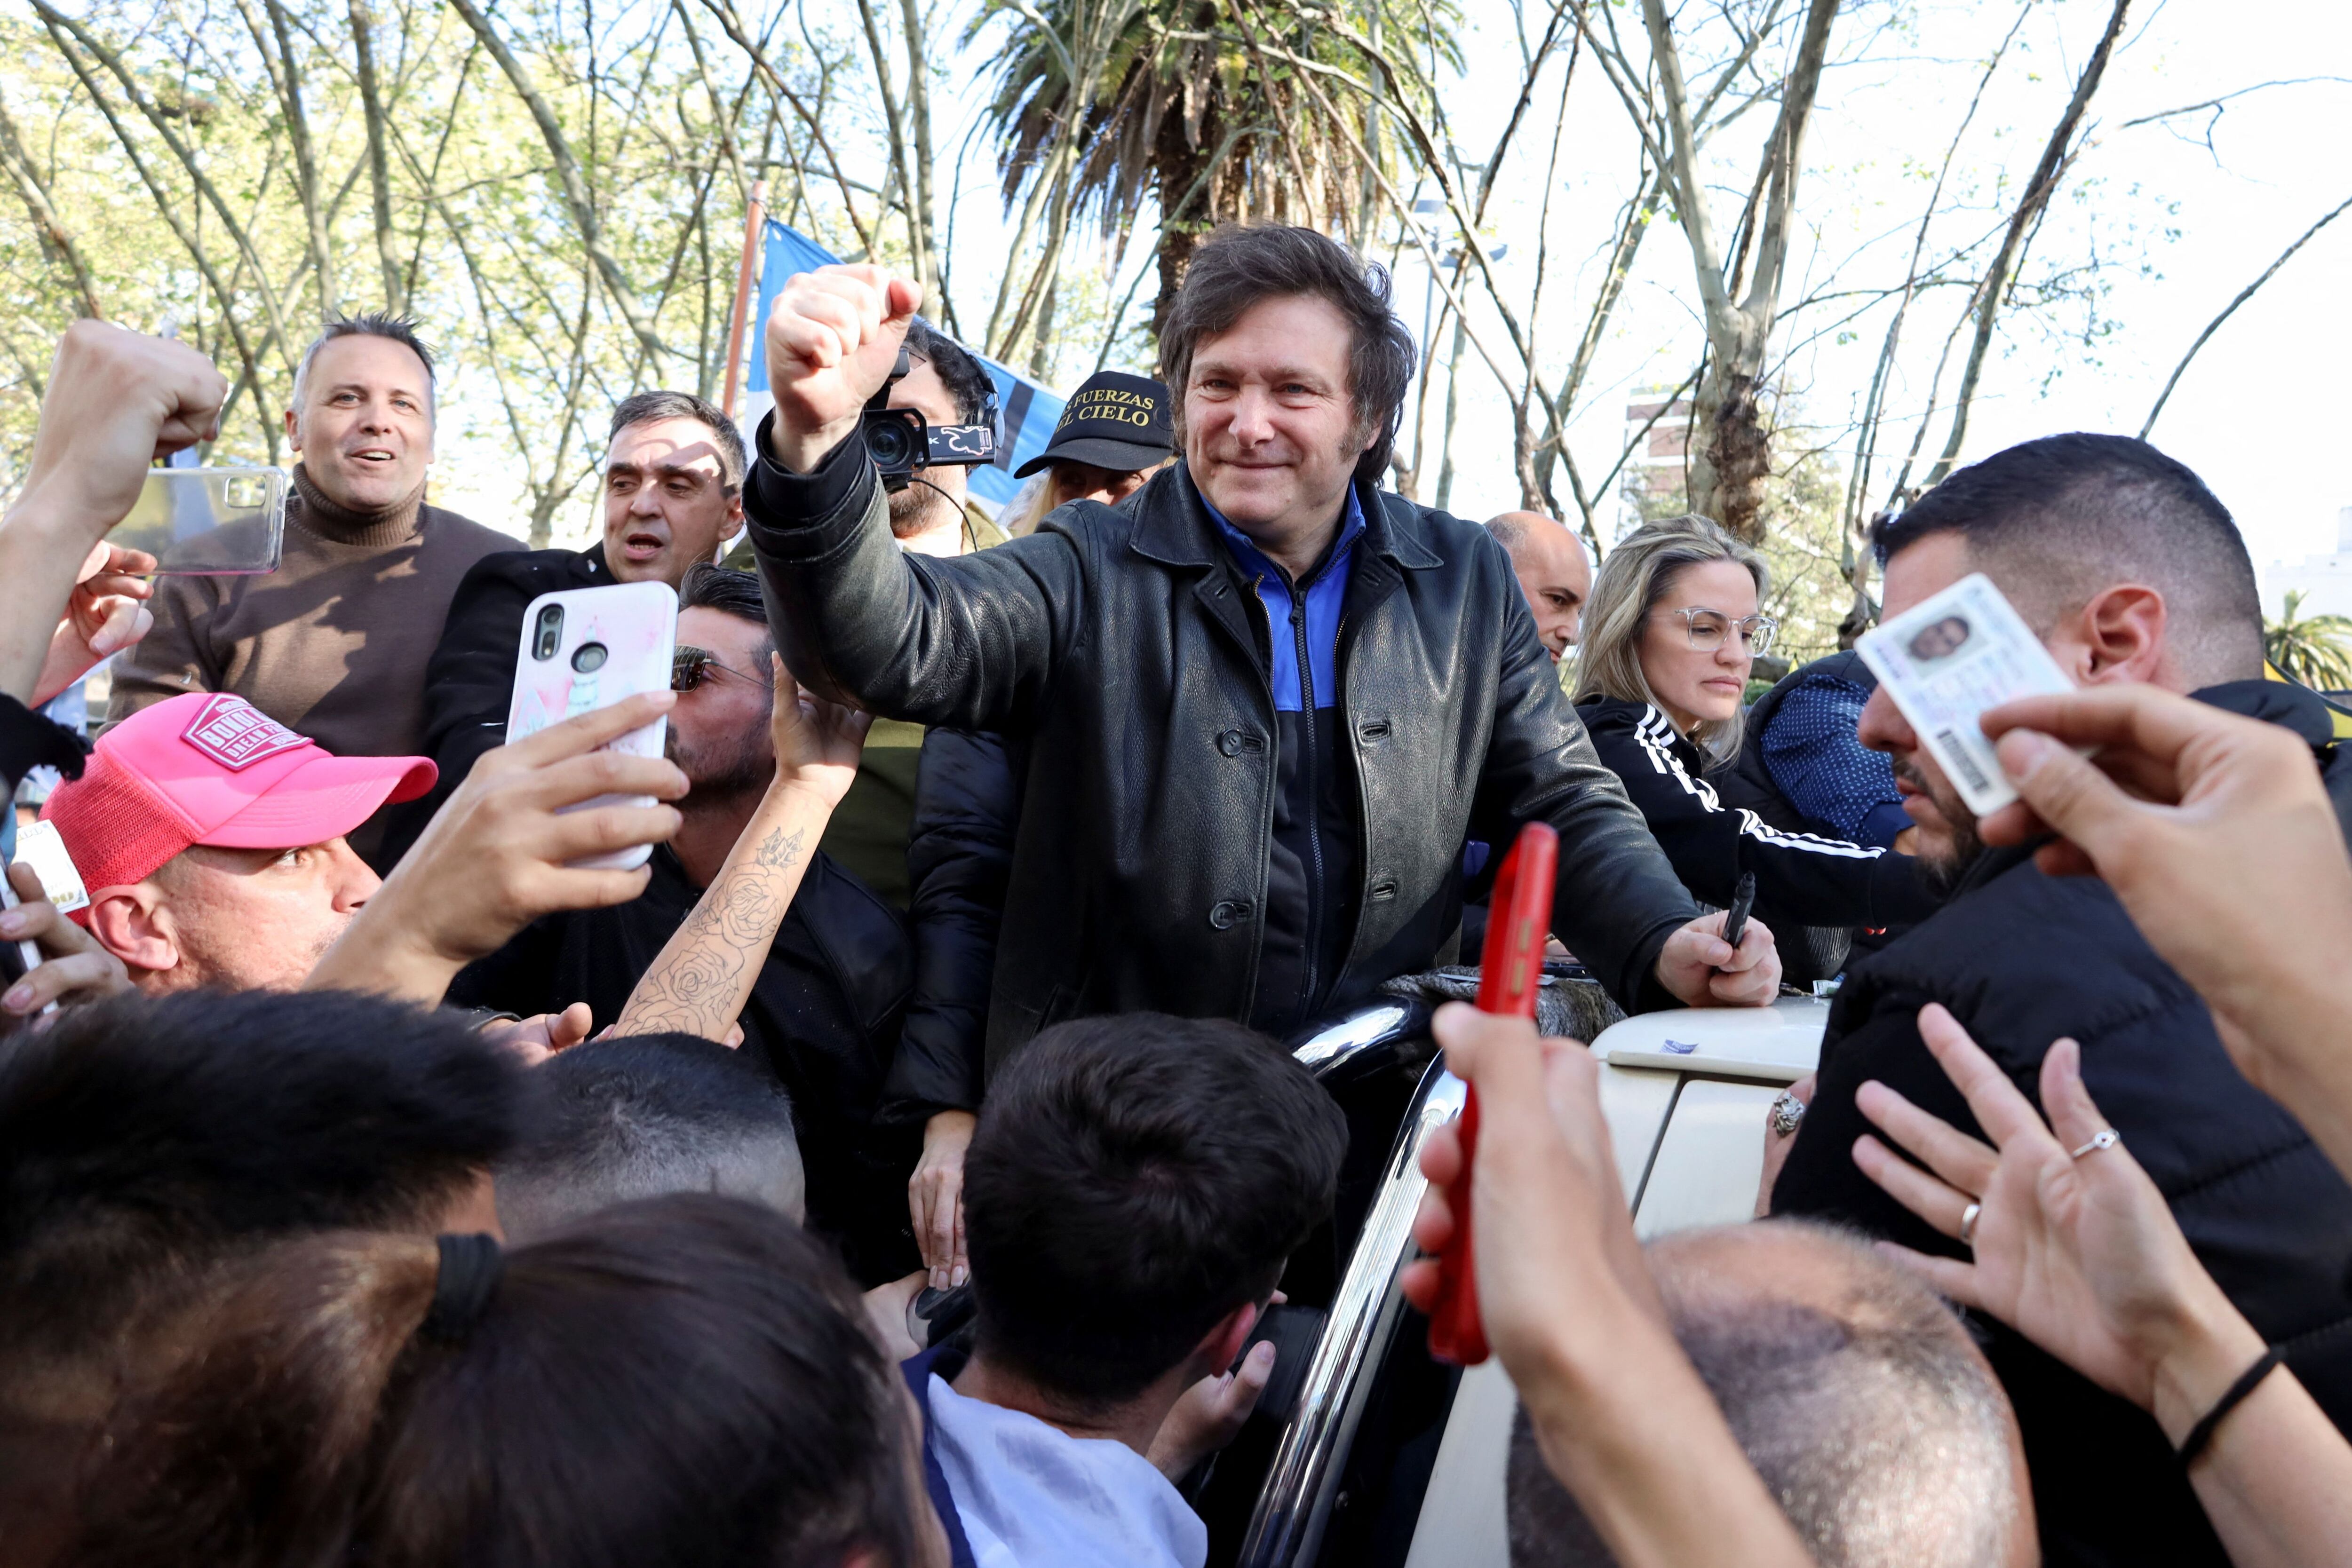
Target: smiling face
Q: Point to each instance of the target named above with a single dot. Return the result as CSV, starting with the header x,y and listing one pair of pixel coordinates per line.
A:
x,y
363,424
666,504
1694,687
1271,433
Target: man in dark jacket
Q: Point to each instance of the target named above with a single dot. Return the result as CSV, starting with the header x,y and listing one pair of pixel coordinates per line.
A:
x,y
2130,571
1264,706
824,1013
673,493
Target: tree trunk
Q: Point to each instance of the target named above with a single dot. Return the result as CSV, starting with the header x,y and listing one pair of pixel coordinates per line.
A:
x,y
1180,166
387,243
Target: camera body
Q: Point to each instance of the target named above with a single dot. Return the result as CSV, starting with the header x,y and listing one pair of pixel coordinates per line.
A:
x,y
902,443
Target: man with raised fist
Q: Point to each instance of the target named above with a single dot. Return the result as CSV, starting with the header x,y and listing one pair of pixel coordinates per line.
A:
x,y
1266,702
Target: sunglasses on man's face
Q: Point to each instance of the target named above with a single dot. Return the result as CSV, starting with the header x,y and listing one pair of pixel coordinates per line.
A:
x,y
690,666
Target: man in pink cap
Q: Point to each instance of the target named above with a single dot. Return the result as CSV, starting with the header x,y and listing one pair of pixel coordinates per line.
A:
x,y
210,839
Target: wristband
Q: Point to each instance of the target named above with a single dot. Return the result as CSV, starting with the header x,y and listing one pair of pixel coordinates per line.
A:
x,y
2202,1433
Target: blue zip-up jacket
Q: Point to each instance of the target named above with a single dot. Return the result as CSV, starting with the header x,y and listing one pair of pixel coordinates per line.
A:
x,y
1311,870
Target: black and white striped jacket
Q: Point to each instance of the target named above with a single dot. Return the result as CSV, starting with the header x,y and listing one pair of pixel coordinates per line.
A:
x,y
1712,833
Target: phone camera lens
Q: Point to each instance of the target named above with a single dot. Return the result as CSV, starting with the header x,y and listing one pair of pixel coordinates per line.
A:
x,y
589,657
550,633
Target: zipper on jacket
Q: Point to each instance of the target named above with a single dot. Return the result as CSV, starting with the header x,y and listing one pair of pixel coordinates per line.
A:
x,y
1314,801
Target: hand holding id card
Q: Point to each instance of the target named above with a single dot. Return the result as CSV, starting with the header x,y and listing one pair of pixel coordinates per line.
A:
x,y
1947,659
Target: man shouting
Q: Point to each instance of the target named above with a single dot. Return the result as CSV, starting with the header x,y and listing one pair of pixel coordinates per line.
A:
x,y
1266,702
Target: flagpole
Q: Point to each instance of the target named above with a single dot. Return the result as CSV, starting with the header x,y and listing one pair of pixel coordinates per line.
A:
x,y
752,218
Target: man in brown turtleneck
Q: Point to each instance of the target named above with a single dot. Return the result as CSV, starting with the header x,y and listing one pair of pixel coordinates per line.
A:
x,y
333,643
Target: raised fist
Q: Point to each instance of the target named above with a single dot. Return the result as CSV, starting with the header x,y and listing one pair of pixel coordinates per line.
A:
x,y
832,341
116,401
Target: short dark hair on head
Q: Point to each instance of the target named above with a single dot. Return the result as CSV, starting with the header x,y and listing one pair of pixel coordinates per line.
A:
x,y
709,586
2056,521
1132,1180
400,330
966,378
145,1141
1238,266
701,1358
644,407
1883,1435
642,1117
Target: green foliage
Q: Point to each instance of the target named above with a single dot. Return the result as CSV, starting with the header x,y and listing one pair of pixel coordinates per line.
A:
x,y
2316,650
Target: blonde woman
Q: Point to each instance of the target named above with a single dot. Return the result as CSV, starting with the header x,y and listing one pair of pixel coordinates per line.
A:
x,y
1672,628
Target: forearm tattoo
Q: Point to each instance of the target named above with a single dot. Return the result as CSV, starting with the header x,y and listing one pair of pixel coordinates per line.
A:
x,y
706,971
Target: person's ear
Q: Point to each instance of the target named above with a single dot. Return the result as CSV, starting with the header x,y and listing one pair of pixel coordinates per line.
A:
x,y
133,923
2116,637
1222,1345
734,518
294,432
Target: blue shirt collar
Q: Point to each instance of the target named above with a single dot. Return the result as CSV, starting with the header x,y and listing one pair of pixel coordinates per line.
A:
x,y
1255,563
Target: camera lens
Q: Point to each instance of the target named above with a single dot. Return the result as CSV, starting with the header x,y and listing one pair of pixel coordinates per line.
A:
x,y
891,443
589,657
550,633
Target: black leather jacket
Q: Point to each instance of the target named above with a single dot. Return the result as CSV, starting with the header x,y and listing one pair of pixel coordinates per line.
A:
x,y
1122,646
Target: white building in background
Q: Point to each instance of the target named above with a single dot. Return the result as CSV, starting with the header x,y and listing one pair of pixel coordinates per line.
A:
x,y
2323,580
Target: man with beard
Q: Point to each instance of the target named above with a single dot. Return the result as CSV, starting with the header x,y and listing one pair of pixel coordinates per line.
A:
x,y
2129,571
673,495
824,1014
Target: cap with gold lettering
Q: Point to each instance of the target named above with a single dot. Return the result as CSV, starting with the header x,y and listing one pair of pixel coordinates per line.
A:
x,y
1113,421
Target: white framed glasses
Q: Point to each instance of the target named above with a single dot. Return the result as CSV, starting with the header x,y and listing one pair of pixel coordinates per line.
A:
x,y
1708,629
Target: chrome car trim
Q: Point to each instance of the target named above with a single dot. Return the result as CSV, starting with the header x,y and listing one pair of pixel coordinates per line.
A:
x,y
1333,1044
1286,1527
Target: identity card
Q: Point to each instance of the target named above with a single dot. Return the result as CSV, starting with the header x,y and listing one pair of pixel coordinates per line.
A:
x,y
1946,659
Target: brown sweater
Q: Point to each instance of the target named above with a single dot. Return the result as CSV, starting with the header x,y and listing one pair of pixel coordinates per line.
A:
x,y
334,642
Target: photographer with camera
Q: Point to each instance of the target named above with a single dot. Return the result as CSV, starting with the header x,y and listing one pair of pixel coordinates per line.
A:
x,y
1267,702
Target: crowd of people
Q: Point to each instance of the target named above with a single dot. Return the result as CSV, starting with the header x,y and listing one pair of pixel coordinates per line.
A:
x,y
861,1133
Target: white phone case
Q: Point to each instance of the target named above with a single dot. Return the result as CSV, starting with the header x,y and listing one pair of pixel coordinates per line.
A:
x,y
608,644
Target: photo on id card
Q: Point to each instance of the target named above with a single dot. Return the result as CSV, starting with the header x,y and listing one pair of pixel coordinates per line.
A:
x,y
1947,659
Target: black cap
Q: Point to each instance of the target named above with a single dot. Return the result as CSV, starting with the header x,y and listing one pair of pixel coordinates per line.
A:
x,y
1113,421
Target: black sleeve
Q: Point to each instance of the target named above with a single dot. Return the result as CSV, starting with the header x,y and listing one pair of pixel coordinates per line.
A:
x,y
1617,900
468,686
29,740
968,643
958,858
1799,877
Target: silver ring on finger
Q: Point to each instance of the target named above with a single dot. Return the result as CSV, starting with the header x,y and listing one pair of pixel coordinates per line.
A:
x,y
1788,1110
1968,1218
2104,1138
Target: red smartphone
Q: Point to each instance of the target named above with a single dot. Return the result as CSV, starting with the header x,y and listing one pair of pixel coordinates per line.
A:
x,y
1518,920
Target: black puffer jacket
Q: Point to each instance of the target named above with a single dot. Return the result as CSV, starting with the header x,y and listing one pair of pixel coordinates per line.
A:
x,y
2021,959
1122,647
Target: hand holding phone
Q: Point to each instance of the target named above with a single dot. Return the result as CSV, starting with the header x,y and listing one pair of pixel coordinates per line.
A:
x,y
586,649
1509,972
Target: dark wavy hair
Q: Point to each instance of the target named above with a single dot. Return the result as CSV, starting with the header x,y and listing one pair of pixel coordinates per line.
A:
x,y
1238,266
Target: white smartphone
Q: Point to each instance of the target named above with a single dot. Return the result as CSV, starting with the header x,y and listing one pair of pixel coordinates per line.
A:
x,y
588,648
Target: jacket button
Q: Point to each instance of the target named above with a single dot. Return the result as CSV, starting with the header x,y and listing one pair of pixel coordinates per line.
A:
x,y
1230,742
1223,914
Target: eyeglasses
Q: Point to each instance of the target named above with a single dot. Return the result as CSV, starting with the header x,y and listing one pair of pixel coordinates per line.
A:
x,y
690,666
1708,628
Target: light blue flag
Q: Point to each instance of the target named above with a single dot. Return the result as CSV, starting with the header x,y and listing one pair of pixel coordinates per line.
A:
x,y
1026,412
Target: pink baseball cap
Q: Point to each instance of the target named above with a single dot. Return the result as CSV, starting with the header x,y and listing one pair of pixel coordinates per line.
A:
x,y
212,768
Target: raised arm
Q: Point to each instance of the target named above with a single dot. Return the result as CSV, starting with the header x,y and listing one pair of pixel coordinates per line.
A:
x,y
705,972
969,642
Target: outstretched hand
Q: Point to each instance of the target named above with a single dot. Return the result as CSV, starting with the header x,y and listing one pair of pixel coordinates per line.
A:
x,y
106,613
817,742
497,855
2080,1255
832,341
